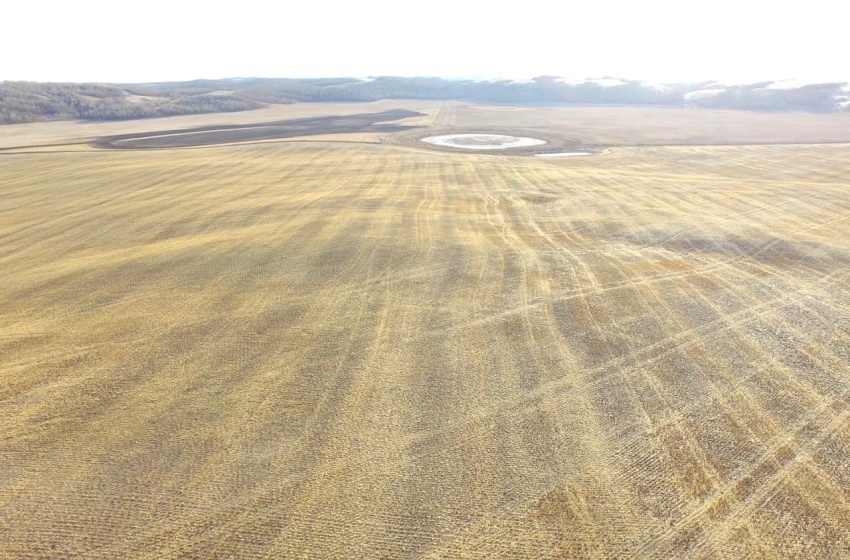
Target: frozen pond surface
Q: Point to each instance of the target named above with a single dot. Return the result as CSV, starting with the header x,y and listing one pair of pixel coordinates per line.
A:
x,y
564,154
483,141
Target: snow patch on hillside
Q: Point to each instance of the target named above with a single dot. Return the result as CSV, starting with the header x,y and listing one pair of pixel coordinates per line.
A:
x,y
703,93
789,84
602,82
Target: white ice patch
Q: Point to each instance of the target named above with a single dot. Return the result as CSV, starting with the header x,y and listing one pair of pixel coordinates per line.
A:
x,y
483,141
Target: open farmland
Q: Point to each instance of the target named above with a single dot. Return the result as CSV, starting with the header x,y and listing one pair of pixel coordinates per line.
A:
x,y
357,346
238,133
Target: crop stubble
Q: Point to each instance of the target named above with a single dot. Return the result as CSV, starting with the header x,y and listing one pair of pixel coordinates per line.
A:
x,y
351,350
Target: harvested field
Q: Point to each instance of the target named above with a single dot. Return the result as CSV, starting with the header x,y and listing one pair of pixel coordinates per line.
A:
x,y
319,349
576,126
77,135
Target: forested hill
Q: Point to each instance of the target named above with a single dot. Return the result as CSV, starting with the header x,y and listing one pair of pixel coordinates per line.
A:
x,y
22,102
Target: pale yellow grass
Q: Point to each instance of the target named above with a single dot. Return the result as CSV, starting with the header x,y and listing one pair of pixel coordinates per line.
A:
x,y
343,350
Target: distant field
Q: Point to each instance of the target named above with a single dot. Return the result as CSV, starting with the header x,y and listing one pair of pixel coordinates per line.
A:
x,y
76,135
239,133
563,126
358,346
647,126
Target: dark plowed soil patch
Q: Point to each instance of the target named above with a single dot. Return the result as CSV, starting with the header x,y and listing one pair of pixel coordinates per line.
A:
x,y
211,135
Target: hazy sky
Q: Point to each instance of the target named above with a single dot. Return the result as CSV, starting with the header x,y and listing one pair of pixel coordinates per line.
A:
x,y
156,40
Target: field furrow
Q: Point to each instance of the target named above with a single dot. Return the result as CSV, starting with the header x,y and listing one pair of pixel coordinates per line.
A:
x,y
357,349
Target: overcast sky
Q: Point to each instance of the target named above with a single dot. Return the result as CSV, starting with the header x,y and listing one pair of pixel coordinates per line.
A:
x,y
156,40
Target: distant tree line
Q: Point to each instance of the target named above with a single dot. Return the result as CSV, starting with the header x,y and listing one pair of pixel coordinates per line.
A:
x,y
22,102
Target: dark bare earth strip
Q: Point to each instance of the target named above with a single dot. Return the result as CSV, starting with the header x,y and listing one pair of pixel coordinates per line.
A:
x,y
213,135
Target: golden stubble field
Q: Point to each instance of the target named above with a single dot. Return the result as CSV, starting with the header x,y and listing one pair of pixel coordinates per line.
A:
x,y
327,349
